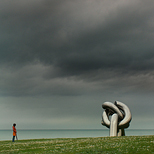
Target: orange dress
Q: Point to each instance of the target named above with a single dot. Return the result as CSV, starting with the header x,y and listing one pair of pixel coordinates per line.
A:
x,y
14,131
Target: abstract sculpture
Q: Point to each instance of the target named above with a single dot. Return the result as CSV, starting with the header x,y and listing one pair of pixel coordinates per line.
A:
x,y
116,117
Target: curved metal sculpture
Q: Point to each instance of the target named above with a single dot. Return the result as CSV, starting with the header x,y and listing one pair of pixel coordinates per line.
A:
x,y
116,117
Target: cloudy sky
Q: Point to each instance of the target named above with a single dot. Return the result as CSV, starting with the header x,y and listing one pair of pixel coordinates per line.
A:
x,y
61,60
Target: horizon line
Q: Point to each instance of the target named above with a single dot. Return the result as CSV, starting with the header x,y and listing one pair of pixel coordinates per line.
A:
x,y
75,129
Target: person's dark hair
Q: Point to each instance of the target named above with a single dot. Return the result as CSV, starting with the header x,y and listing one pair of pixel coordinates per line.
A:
x,y
14,124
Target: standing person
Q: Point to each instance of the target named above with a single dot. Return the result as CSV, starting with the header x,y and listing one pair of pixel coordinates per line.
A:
x,y
14,132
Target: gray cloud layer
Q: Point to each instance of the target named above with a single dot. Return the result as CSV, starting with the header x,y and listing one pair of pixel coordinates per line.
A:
x,y
76,48
79,38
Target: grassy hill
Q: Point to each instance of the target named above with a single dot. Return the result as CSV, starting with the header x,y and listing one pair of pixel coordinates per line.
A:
x,y
99,145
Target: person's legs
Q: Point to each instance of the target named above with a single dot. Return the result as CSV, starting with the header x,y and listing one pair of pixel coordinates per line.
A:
x,y
13,138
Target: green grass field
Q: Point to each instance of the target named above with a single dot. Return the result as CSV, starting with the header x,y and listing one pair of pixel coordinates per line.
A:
x,y
100,145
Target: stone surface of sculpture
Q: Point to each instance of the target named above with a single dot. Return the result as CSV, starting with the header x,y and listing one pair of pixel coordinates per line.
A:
x,y
116,117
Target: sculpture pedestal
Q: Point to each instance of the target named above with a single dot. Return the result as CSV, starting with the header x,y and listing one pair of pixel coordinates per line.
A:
x,y
113,125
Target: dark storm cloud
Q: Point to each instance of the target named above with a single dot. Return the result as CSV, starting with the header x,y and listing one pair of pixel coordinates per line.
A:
x,y
60,60
88,43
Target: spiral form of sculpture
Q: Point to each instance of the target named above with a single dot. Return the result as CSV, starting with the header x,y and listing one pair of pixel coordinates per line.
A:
x,y
116,117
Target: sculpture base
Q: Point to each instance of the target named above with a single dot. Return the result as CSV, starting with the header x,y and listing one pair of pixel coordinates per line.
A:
x,y
113,125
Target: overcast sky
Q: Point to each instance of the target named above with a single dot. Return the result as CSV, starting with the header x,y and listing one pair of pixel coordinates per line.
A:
x,y
60,60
